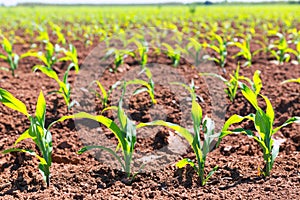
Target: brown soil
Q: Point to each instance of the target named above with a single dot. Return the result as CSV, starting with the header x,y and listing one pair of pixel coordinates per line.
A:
x,y
95,176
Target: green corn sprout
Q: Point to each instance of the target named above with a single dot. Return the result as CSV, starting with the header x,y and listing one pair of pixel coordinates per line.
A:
x,y
37,131
119,55
71,55
263,121
11,58
232,84
105,94
265,47
142,51
49,57
197,47
220,49
174,54
43,35
201,149
125,133
64,86
280,49
147,86
244,47
57,30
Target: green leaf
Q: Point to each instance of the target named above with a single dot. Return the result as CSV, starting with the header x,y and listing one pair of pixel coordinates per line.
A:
x,y
24,136
263,125
7,45
257,82
47,71
269,110
140,90
196,116
292,80
210,174
42,160
41,109
287,122
10,101
102,89
232,120
186,161
249,95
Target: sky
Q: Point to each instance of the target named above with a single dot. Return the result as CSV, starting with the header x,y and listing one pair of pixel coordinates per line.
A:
x,y
14,2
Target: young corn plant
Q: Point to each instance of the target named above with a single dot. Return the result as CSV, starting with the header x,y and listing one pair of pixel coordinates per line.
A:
x,y
263,122
125,133
174,53
71,55
119,56
280,49
37,131
220,48
231,85
201,148
64,86
142,51
196,47
147,86
11,58
58,32
244,47
48,58
104,94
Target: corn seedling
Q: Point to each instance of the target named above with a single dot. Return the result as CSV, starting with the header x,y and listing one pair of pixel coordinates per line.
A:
x,y
11,58
231,85
220,48
125,133
142,51
71,55
195,46
105,94
201,149
48,58
64,86
119,56
280,49
263,121
174,53
36,132
147,86
58,32
244,47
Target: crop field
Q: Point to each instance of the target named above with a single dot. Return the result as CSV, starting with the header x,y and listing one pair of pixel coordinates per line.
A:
x,y
150,102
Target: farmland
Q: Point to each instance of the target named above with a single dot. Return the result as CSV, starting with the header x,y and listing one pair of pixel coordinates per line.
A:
x,y
140,102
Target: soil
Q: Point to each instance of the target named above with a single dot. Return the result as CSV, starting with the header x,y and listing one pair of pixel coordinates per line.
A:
x,y
95,175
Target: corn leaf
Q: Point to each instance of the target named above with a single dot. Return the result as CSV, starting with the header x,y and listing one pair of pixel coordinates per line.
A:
x,y
42,160
10,101
41,109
